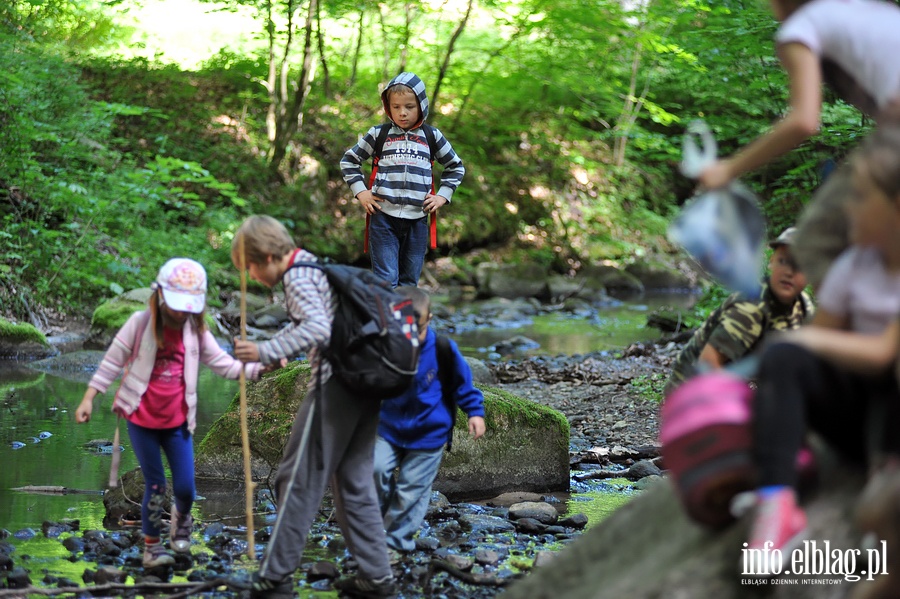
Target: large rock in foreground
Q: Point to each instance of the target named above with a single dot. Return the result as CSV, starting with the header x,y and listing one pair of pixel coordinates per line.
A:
x,y
525,447
649,549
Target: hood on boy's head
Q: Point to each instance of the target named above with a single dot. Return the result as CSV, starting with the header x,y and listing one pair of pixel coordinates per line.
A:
x,y
411,81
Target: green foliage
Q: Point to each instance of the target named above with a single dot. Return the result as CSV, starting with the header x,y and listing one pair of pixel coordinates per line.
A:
x,y
568,115
650,387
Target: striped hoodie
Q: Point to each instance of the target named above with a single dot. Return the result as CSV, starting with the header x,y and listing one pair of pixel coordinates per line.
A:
x,y
404,170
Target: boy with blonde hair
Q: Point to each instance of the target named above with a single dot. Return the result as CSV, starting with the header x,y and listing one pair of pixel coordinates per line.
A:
x,y
338,426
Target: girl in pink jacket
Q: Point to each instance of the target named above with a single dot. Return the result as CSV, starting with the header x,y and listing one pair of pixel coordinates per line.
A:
x,y
160,350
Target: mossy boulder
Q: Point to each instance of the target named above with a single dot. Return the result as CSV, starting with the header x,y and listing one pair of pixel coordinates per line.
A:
x,y
272,403
512,281
613,280
22,341
656,275
525,448
109,317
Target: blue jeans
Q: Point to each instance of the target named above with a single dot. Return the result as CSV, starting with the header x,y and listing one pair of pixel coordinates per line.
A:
x,y
179,447
397,247
404,500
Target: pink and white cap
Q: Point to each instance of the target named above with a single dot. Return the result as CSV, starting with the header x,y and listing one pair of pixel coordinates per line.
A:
x,y
183,285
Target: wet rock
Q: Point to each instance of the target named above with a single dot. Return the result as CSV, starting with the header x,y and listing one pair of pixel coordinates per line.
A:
x,y
512,280
427,544
609,278
515,344
108,574
508,499
577,521
6,562
322,571
542,512
25,534
462,562
73,544
481,374
530,526
18,579
52,530
484,524
658,276
642,469
487,557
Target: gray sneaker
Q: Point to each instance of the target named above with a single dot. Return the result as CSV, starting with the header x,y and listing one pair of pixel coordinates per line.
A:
x,y
156,555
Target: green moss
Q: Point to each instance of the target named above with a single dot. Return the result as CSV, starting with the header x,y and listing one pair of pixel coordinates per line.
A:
x,y
21,333
599,503
113,314
502,407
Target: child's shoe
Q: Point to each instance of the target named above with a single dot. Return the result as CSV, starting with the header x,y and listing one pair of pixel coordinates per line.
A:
x,y
780,522
155,555
180,531
358,586
266,588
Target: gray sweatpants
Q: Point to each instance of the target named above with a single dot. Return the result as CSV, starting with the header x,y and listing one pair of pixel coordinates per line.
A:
x,y
349,425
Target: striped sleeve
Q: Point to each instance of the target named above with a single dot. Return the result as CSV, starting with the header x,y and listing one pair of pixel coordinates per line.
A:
x,y
351,163
310,303
454,170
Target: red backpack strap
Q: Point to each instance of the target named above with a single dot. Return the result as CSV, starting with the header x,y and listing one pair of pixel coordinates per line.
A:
x,y
432,147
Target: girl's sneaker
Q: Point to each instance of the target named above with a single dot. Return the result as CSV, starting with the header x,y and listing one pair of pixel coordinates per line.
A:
x,y
779,524
155,555
180,531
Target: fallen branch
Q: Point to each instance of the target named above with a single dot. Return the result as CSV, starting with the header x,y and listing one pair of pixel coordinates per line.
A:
x,y
176,589
54,490
600,474
491,580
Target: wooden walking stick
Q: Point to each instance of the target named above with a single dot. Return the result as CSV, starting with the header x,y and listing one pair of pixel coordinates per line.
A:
x,y
245,436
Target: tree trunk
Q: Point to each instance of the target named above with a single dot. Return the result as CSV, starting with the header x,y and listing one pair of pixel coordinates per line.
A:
x,y
288,121
404,44
358,50
320,38
445,66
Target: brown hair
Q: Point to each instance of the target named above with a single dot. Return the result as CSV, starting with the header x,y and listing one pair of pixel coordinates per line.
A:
x,y
879,154
263,237
421,301
399,89
154,304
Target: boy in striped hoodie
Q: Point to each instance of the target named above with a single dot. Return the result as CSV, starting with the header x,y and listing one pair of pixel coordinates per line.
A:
x,y
402,188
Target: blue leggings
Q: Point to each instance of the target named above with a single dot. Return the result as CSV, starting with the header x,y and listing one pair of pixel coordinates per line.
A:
x,y
179,447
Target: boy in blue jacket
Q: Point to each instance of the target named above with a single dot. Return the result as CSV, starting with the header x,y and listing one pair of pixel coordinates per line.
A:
x,y
413,429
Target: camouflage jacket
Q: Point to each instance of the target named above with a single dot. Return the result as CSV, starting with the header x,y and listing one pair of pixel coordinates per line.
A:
x,y
736,328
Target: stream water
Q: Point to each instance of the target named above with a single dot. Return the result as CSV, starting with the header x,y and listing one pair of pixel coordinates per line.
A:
x,y
41,445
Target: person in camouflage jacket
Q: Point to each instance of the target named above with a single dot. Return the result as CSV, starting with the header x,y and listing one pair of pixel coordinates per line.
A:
x,y
736,328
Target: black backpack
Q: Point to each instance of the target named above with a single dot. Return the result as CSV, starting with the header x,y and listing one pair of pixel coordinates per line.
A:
x,y
374,347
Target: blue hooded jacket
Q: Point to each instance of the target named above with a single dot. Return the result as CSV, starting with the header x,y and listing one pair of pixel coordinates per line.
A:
x,y
419,419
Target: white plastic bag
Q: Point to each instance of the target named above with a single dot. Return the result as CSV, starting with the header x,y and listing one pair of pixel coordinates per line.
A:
x,y
724,230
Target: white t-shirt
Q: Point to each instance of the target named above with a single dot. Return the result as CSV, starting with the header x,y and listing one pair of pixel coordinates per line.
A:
x,y
862,37
858,286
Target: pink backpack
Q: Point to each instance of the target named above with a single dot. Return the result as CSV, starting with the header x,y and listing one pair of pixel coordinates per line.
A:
x,y
707,441
706,432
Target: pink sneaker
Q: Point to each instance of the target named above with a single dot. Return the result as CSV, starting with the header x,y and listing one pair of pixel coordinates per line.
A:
x,y
779,524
